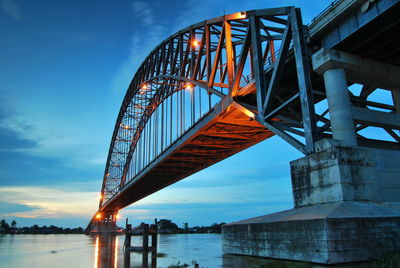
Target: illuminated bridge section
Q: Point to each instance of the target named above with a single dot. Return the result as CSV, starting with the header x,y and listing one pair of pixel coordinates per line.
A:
x,y
194,101
220,86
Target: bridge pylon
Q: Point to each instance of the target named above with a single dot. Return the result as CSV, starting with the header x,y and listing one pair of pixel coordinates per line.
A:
x,y
346,191
103,224
219,86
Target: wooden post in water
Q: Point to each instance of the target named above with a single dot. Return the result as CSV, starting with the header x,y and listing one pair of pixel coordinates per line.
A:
x,y
127,253
154,232
145,253
128,235
127,259
146,231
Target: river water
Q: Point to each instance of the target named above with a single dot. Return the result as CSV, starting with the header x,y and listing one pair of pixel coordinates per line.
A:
x,y
76,251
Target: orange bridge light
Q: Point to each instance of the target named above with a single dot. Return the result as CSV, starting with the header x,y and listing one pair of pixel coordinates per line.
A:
x,y
188,86
143,89
195,43
98,216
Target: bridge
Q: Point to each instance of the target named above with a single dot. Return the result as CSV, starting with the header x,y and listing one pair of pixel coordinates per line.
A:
x,y
222,85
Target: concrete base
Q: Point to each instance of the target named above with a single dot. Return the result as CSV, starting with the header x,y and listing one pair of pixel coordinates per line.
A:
x,y
346,202
104,228
328,233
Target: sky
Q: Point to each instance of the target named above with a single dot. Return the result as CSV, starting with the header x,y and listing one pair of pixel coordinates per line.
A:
x,y
65,66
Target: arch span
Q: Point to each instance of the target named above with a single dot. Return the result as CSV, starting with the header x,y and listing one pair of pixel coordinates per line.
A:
x,y
205,93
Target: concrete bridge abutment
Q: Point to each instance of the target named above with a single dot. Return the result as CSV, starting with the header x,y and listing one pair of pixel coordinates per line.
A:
x,y
346,197
347,209
103,225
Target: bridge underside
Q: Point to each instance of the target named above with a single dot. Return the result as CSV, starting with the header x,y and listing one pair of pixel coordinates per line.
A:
x,y
341,111
346,195
223,132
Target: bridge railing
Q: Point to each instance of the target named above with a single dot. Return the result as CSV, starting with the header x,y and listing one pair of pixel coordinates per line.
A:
x,y
189,72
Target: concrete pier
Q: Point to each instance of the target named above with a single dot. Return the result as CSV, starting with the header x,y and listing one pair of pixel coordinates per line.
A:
x,y
346,209
339,106
346,197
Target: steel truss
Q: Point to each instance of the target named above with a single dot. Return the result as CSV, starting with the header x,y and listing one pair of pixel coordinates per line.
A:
x,y
224,58
255,60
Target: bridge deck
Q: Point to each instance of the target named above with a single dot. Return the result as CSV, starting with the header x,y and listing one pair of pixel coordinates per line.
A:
x,y
223,132
227,130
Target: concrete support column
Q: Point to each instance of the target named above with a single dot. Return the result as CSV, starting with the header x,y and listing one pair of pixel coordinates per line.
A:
x,y
396,99
346,210
339,106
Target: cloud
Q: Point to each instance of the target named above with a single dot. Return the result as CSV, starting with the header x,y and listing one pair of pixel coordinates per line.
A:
x,y
27,157
49,137
12,208
46,202
146,14
146,35
11,8
235,193
11,139
152,24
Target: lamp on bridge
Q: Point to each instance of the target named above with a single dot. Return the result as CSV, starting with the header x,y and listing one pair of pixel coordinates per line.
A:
x,y
195,43
143,89
188,86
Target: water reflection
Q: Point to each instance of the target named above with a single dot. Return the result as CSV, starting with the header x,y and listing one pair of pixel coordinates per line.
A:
x,y
106,251
237,261
81,251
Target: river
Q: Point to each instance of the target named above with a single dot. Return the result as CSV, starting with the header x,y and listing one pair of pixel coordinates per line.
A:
x,y
76,251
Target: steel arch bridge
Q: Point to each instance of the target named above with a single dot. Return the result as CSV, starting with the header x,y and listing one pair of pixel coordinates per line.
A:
x,y
209,91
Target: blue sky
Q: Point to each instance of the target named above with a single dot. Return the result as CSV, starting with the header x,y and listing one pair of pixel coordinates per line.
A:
x,y
64,68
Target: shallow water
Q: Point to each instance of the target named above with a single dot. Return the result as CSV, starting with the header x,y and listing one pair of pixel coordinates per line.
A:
x,y
76,251
85,251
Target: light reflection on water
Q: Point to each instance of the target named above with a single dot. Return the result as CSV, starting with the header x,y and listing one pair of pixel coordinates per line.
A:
x,y
96,253
106,251
76,251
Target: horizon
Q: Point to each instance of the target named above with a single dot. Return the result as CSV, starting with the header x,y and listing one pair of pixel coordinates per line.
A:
x,y
66,66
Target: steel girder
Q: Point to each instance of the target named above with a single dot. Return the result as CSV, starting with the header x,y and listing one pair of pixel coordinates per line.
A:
x,y
231,57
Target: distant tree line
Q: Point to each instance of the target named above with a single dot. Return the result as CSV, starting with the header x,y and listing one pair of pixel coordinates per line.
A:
x,y
12,228
166,226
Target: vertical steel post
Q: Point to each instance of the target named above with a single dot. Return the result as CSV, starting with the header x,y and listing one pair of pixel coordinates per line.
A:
x,y
128,229
154,245
229,52
304,80
339,104
145,253
192,112
257,59
170,120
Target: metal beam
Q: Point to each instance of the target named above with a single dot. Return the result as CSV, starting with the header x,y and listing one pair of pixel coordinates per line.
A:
x,y
277,71
242,60
258,64
376,118
304,80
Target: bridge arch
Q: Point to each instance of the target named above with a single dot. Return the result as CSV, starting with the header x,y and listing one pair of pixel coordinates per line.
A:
x,y
176,112
260,92
225,59
194,55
